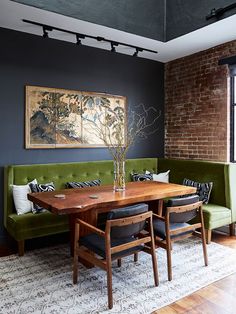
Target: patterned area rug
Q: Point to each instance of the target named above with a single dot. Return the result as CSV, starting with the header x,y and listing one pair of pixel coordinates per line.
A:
x,y
41,281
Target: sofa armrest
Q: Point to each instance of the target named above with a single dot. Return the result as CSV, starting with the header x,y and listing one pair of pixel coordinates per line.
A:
x,y
8,199
230,189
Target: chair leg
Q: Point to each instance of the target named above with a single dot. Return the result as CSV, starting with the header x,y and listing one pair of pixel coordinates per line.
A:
x,y
21,247
204,246
169,262
154,264
108,265
208,236
135,257
168,248
119,262
203,236
232,229
75,269
153,253
109,284
75,258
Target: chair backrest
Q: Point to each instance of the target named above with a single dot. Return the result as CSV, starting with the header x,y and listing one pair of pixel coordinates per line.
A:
x,y
124,212
182,201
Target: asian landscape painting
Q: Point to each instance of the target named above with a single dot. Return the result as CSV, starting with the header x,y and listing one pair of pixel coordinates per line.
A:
x,y
59,118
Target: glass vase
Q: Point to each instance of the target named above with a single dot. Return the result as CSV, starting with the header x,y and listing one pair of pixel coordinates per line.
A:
x,y
119,175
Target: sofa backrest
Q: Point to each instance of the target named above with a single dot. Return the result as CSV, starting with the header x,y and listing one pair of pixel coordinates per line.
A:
x,y
221,174
60,173
201,171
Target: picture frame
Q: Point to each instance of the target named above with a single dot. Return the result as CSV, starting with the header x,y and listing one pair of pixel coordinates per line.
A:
x,y
63,118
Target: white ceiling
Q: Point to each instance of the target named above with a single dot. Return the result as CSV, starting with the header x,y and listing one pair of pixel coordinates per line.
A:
x,y
12,13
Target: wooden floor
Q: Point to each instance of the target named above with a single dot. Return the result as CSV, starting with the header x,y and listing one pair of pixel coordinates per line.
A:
x,y
217,298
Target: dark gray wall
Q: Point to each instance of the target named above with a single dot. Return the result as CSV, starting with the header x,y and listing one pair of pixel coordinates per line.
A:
x,y
28,59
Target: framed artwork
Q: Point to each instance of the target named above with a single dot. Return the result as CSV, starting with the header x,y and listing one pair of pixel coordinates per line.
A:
x,y
60,118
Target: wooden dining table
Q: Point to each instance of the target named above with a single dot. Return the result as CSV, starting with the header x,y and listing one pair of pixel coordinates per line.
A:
x,y
87,203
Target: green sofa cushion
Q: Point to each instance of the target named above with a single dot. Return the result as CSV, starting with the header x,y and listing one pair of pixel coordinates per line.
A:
x,y
215,214
31,225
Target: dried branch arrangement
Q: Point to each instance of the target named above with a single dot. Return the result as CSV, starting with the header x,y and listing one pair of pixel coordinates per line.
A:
x,y
119,134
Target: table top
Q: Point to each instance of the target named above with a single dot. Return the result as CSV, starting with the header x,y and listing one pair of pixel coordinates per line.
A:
x,y
80,200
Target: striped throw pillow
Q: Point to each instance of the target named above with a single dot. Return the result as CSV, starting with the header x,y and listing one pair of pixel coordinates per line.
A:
x,y
46,187
83,184
142,176
203,189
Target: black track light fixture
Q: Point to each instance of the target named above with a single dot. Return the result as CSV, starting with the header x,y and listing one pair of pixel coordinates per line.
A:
x,y
137,51
78,39
113,44
45,33
79,36
217,13
99,38
46,29
113,48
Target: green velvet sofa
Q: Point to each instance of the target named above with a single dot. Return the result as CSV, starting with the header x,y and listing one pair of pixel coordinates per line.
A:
x,y
29,226
221,209
219,212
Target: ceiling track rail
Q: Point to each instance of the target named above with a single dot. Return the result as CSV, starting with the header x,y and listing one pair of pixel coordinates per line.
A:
x,y
80,36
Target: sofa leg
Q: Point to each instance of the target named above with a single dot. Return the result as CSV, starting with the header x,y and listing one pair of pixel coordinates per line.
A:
x,y
21,247
232,229
208,236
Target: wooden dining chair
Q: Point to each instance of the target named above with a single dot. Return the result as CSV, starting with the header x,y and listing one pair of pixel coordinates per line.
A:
x,y
174,226
121,238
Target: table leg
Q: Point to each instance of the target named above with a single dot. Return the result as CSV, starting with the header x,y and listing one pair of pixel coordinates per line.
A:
x,y
88,216
72,218
160,207
156,206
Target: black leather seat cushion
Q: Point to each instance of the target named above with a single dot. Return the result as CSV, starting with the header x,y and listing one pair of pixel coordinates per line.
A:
x,y
159,228
96,244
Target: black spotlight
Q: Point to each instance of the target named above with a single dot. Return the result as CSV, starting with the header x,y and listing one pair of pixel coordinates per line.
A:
x,y
100,38
137,51
113,48
45,33
78,39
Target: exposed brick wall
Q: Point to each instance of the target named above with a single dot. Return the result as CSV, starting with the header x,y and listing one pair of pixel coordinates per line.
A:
x,y
197,105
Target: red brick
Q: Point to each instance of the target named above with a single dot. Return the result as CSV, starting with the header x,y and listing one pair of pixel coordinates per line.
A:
x,y
196,106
